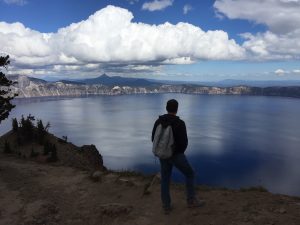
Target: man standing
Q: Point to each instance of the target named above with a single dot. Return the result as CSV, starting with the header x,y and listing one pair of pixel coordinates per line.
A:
x,y
177,159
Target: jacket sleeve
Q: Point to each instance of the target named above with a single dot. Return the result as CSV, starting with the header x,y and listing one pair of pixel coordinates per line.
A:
x,y
182,141
154,129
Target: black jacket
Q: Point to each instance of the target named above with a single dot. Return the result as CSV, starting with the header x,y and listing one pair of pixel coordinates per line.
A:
x,y
178,128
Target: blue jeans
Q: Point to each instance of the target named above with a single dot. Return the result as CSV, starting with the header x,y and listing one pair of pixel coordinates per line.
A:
x,y
181,163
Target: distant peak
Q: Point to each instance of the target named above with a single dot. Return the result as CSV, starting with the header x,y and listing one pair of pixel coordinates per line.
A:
x,y
104,75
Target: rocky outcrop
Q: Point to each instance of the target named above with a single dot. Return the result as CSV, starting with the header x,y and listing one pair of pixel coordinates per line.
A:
x,y
86,157
92,156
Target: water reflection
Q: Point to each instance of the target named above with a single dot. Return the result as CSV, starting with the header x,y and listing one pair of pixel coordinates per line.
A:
x,y
234,141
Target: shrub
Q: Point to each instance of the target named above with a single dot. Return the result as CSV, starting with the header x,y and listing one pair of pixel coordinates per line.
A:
x,y
47,127
65,138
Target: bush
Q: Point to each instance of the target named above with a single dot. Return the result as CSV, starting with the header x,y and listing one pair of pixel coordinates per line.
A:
x,y
65,138
47,127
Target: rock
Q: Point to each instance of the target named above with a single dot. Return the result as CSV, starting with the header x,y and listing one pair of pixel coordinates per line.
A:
x,y
97,176
282,211
93,156
125,181
86,157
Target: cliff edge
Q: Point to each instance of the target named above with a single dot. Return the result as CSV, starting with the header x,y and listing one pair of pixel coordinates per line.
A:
x,y
76,189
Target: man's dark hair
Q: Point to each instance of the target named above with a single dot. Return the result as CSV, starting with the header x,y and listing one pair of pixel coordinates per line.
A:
x,y
172,106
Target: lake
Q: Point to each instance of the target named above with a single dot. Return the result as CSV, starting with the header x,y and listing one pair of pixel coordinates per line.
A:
x,y
234,141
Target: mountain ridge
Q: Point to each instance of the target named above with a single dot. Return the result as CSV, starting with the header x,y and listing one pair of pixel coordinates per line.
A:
x,y
34,87
104,79
117,80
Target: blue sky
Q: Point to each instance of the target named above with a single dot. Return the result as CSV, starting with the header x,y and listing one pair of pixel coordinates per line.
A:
x,y
210,40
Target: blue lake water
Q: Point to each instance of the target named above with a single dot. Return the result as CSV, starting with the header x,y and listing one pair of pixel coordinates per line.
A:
x,y
234,141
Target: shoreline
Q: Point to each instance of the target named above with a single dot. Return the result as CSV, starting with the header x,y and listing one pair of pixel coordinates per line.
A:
x,y
154,93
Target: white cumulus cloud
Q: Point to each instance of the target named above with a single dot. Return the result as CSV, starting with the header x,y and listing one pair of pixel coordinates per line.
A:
x,y
157,5
269,46
282,18
110,37
132,2
16,2
187,8
280,72
297,71
182,60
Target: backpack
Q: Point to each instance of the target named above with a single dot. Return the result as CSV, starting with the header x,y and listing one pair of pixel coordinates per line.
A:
x,y
163,142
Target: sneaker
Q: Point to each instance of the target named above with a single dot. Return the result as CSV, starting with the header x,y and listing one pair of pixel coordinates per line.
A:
x,y
194,203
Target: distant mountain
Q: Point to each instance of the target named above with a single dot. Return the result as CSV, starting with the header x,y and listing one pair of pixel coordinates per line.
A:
x,y
234,83
251,83
33,87
24,81
25,78
117,80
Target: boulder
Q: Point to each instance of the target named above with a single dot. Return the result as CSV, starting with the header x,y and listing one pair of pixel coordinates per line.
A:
x,y
93,157
97,176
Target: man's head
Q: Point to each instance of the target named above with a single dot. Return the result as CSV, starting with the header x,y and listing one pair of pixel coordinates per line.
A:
x,y
172,106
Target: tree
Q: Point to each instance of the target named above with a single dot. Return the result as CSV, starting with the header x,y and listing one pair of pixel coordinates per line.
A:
x,y
27,127
40,131
15,125
6,94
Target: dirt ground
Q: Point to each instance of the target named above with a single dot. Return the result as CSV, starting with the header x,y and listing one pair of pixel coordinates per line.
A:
x,y
34,193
